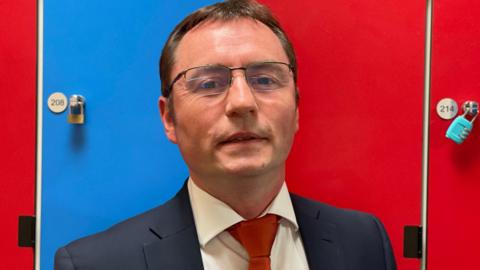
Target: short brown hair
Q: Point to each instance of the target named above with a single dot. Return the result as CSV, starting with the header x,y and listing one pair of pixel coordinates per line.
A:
x,y
223,11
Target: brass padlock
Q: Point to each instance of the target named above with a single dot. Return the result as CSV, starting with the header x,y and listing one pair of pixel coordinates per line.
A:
x,y
76,113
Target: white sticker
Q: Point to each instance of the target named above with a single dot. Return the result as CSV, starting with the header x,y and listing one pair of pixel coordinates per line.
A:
x,y
447,108
57,102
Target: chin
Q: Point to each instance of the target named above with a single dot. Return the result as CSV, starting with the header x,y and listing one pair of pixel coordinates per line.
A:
x,y
247,168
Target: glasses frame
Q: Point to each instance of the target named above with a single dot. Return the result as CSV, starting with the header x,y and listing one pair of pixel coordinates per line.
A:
x,y
244,68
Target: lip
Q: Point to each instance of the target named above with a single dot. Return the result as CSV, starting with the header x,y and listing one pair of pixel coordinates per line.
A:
x,y
241,137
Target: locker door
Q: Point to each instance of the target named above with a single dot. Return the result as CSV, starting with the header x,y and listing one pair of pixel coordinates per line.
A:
x,y
119,162
361,86
17,130
454,182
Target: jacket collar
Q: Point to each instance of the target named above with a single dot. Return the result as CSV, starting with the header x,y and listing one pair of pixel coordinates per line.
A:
x,y
178,240
319,236
177,245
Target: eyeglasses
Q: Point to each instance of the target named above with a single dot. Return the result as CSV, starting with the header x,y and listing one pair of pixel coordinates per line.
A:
x,y
216,79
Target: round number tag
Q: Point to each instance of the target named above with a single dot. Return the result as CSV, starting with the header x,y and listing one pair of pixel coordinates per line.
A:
x,y
447,108
57,102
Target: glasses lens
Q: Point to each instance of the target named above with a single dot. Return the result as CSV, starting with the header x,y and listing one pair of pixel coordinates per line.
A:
x,y
268,76
208,80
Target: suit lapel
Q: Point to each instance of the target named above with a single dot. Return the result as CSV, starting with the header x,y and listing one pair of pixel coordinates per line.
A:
x,y
319,237
177,245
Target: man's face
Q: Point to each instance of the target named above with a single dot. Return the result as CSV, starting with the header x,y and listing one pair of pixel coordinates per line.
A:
x,y
240,132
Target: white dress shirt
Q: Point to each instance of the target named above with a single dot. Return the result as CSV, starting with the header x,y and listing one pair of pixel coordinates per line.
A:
x,y
220,251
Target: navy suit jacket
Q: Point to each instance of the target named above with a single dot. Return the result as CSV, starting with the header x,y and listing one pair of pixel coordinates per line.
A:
x,y
165,238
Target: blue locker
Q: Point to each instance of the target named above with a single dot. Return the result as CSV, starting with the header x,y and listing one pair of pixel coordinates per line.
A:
x,y
118,163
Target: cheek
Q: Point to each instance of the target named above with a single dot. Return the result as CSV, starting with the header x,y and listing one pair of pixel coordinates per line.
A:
x,y
282,114
288,125
285,128
195,122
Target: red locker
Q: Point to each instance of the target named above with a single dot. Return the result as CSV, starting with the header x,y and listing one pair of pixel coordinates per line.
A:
x,y
361,87
454,181
17,136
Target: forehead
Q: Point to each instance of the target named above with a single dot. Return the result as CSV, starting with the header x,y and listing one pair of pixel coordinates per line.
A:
x,y
232,43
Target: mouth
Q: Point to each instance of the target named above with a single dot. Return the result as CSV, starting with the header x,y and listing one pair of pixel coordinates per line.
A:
x,y
242,137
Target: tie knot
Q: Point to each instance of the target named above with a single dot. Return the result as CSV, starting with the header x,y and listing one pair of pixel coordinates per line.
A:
x,y
256,236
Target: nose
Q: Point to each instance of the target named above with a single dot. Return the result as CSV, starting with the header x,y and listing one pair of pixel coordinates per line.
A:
x,y
240,100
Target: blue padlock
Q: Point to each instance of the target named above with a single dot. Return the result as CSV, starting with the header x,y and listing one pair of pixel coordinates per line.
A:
x,y
459,129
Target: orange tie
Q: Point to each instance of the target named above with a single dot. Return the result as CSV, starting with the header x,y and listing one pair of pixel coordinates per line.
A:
x,y
256,236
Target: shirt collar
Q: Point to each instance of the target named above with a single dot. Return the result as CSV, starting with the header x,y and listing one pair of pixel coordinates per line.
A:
x,y
213,216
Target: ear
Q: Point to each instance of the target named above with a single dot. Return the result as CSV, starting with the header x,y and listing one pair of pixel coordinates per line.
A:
x,y
167,118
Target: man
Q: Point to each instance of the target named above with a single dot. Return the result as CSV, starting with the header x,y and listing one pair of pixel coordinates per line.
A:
x,y
230,103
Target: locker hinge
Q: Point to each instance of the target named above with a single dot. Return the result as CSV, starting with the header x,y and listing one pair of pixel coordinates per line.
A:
x,y
26,231
412,242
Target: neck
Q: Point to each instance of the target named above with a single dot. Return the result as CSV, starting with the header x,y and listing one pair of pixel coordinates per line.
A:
x,y
248,196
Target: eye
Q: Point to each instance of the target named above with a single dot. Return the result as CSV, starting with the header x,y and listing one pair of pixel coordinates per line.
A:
x,y
264,82
267,76
210,84
208,80
207,85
